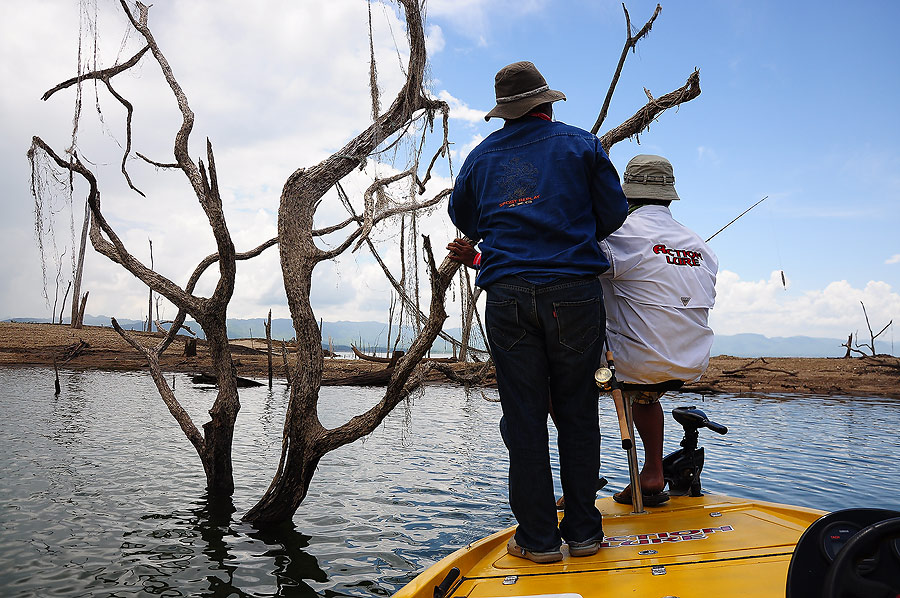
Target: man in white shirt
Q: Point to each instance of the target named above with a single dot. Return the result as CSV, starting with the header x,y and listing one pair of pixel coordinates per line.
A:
x,y
658,293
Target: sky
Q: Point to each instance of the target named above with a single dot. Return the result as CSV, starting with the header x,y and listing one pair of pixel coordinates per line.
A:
x,y
798,105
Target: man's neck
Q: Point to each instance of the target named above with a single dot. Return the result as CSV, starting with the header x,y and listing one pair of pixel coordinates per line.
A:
x,y
634,206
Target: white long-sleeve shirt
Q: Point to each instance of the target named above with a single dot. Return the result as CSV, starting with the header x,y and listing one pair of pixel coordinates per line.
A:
x,y
658,293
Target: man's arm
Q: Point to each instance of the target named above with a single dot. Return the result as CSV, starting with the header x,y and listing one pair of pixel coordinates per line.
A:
x,y
461,207
611,256
464,253
609,203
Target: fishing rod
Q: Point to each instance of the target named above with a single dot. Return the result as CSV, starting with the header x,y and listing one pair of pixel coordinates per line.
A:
x,y
738,216
605,377
783,281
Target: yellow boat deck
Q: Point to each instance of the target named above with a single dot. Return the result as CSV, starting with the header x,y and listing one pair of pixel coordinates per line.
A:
x,y
708,546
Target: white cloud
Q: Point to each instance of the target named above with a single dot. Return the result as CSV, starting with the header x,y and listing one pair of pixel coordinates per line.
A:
x,y
434,40
894,259
272,94
459,155
708,154
472,18
764,307
460,110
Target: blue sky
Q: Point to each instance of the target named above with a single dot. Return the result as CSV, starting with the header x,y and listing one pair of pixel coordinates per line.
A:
x,y
797,105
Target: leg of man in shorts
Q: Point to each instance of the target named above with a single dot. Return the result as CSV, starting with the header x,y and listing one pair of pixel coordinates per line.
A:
x,y
648,420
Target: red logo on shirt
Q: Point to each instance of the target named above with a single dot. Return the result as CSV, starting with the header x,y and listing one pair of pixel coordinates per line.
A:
x,y
679,257
511,203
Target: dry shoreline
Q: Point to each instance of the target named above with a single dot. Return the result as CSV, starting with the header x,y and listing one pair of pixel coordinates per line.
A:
x,y
102,348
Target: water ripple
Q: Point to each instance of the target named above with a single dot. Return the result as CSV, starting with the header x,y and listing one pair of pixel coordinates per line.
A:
x,y
103,496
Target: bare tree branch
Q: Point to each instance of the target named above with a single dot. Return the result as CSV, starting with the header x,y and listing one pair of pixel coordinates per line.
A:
x,y
214,445
398,285
397,388
305,438
106,75
646,115
102,75
113,248
159,325
154,162
872,336
630,43
181,416
385,214
182,156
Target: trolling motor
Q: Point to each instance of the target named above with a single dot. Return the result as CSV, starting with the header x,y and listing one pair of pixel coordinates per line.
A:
x,y
682,468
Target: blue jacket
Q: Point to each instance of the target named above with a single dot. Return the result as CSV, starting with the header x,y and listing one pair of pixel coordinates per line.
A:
x,y
539,196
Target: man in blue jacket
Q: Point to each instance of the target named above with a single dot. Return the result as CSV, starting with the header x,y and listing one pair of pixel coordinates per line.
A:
x,y
539,195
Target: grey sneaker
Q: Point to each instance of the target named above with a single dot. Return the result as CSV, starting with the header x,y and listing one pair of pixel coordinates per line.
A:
x,y
584,548
549,556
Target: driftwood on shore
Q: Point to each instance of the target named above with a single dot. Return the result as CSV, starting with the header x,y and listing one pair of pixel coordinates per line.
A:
x,y
376,378
376,359
206,378
35,344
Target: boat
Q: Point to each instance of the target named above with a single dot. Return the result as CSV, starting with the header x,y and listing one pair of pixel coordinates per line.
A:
x,y
694,545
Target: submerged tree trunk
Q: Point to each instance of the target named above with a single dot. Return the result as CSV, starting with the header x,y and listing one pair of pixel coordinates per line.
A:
x,y
268,325
306,441
218,432
77,313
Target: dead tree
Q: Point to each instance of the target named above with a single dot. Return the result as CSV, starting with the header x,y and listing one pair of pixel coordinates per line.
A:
x,y
56,292
213,445
78,308
63,305
150,297
851,348
305,439
872,336
268,325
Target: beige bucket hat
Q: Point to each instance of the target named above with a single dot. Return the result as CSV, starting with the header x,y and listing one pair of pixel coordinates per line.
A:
x,y
649,177
519,87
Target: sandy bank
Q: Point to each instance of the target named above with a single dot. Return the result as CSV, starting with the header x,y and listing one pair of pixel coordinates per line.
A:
x,y
102,348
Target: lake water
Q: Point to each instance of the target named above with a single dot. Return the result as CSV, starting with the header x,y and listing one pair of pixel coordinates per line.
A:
x,y
101,495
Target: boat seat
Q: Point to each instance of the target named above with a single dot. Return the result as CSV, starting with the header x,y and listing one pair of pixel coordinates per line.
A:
x,y
668,385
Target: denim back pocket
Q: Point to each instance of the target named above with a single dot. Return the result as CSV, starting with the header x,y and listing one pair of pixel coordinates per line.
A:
x,y
579,322
502,320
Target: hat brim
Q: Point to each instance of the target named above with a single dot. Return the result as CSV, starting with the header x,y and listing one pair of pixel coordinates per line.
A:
x,y
634,191
522,107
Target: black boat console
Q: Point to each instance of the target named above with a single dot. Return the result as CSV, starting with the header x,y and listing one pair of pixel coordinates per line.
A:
x,y
852,553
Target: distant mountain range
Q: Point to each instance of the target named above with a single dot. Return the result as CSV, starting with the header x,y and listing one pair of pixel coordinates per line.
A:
x,y
757,345
372,336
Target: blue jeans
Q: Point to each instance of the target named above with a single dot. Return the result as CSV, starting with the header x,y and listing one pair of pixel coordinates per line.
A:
x,y
546,341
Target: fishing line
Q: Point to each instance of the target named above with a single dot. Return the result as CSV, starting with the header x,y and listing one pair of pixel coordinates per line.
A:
x,y
777,248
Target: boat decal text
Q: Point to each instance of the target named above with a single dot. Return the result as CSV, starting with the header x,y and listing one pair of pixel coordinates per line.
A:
x,y
663,537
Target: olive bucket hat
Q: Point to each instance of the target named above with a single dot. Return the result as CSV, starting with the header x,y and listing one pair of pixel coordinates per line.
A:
x,y
649,177
519,87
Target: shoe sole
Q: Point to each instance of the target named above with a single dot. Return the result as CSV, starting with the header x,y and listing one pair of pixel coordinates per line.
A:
x,y
649,500
535,557
590,550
